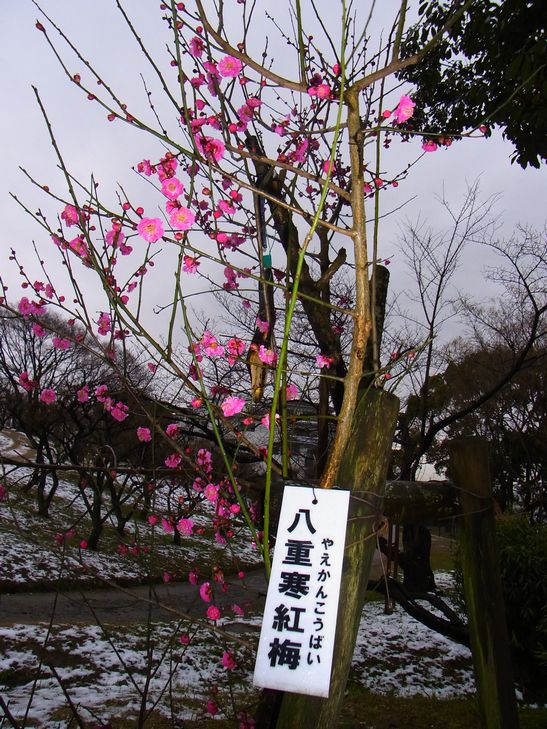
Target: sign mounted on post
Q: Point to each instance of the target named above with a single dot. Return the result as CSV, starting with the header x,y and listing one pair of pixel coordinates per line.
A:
x,y
299,625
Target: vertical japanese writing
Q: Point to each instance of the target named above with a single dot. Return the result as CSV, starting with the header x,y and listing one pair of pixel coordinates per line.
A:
x,y
297,637
293,585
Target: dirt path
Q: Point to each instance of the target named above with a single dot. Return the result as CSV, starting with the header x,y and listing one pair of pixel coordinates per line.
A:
x,y
125,605
121,606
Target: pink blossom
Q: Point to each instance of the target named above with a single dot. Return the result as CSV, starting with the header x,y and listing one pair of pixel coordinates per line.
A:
x,y
48,396
266,420
101,392
105,324
167,527
60,343
193,577
70,215
172,430
254,102
229,67
206,592
196,46
231,279
119,412
324,361
26,307
268,356
83,394
228,660
116,238
404,109
291,392
238,610
184,639
211,346
167,577
144,435
211,492
167,166
212,707
26,383
39,330
225,207
196,402
210,148
190,265
182,218
204,459
262,326
79,247
301,151
213,613
173,461
151,229
245,114
235,348
232,406
430,146
152,519
321,91
185,526
172,188
145,167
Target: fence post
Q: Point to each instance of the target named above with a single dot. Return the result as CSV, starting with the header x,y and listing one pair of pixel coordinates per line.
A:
x,y
482,585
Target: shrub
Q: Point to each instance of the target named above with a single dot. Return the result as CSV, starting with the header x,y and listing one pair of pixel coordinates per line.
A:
x,y
522,551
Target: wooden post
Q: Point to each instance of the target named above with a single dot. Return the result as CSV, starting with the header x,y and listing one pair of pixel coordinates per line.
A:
x,y
482,585
364,471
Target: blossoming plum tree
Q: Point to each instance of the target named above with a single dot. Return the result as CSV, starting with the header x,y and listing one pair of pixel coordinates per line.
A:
x,y
258,187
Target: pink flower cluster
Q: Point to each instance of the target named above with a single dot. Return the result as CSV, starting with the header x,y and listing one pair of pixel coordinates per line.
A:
x,y
118,410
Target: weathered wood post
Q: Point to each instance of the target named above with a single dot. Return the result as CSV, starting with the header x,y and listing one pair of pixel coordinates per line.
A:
x,y
364,471
482,585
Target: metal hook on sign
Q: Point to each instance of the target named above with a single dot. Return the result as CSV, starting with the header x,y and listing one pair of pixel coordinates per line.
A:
x,y
315,501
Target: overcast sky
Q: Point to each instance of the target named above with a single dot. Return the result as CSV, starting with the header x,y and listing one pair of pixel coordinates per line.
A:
x,y
91,144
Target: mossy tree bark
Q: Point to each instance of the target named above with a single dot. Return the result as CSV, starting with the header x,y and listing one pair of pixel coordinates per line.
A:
x,y
482,585
363,471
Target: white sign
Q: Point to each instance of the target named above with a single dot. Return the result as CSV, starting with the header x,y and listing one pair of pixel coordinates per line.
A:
x,y
299,624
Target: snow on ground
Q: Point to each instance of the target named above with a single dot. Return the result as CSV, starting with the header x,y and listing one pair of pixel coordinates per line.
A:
x,y
105,674
395,653
104,671
23,565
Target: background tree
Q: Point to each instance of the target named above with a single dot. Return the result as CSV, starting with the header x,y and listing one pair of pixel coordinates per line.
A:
x,y
516,321
489,70
513,421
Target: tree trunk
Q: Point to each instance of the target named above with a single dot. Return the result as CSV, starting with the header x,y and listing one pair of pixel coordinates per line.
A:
x,y
96,515
363,471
